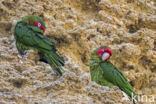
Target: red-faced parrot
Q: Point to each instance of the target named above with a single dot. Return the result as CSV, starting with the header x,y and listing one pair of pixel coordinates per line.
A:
x,y
105,73
28,34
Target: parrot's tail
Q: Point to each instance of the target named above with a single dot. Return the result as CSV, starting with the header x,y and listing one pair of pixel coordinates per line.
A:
x,y
135,98
55,61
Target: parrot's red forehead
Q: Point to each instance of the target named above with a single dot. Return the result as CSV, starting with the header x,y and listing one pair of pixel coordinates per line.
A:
x,y
38,24
103,50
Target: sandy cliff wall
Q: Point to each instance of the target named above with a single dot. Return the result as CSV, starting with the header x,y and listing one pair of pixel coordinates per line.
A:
x,y
78,27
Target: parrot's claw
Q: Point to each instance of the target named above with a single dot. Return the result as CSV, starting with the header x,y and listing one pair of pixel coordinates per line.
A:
x,y
24,56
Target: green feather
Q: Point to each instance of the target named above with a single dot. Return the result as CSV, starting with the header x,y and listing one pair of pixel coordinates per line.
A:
x,y
29,37
106,74
30,19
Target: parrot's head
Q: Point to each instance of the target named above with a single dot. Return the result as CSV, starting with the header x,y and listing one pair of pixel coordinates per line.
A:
x,y
105,53
35,21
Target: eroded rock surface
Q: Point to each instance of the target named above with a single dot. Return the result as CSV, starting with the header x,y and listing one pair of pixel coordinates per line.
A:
x,y
78,27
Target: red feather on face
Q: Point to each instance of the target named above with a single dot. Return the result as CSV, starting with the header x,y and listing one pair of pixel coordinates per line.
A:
x,y
38,24
102,50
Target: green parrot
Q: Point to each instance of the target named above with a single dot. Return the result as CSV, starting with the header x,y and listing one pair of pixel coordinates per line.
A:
x,y
103,72
28,34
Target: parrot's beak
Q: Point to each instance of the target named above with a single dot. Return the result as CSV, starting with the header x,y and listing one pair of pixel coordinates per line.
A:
x,y
105,56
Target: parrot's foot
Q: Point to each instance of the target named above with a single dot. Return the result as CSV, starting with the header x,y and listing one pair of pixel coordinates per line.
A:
x,y
22,55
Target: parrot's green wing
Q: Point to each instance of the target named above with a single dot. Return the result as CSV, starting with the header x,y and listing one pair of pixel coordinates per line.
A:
x,y
106,74
31,39
96,71
35,29
115,76
27,38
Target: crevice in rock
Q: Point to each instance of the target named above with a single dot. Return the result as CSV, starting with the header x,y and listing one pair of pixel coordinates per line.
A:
x,y
132,28
132,83
90,36
18,84
60,41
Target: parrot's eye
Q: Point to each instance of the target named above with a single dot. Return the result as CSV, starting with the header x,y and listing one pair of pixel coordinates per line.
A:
x,y
39,24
